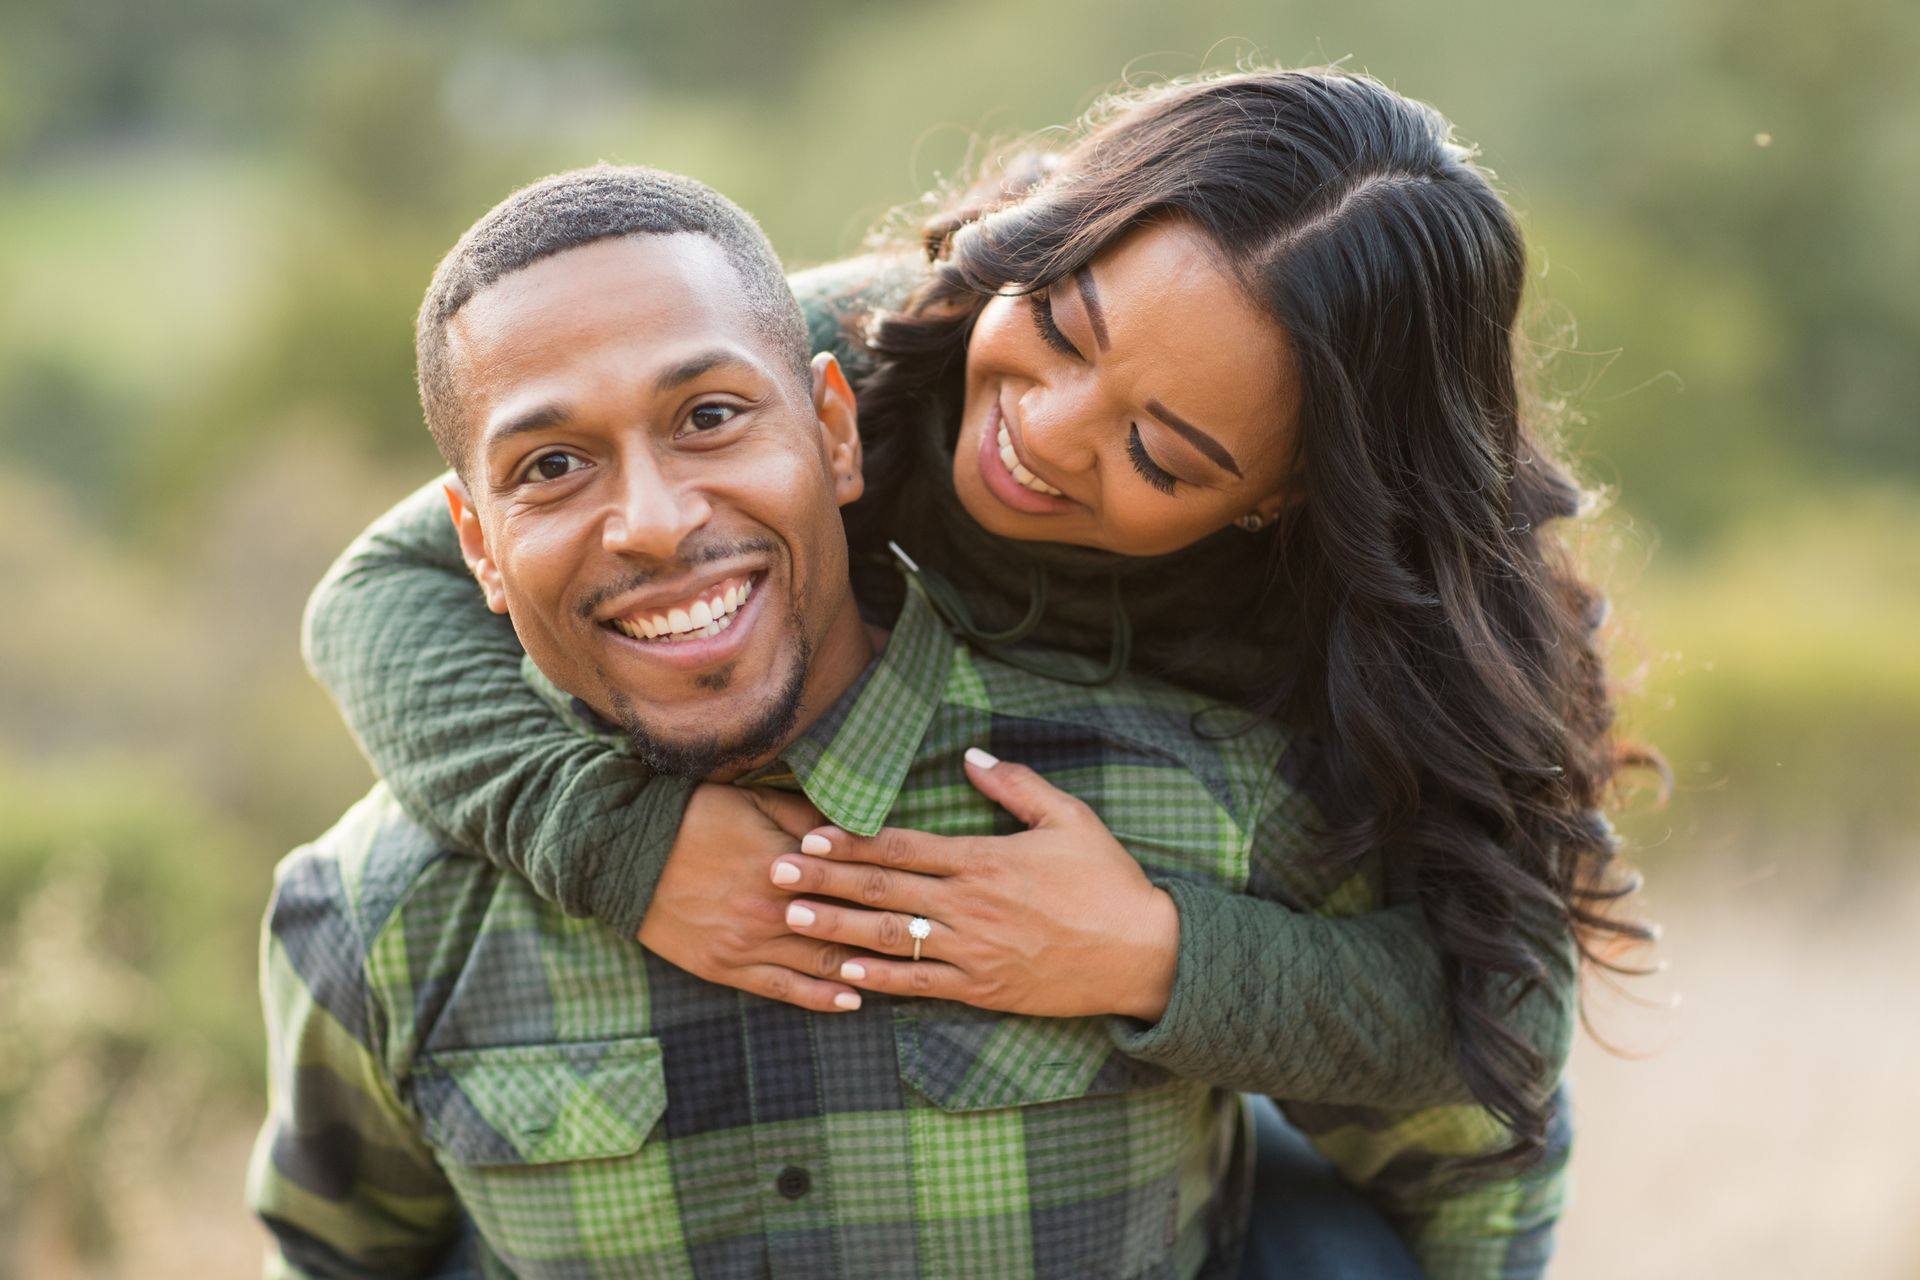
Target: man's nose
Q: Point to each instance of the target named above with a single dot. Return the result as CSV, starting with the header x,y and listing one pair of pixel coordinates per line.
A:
x,y
651,514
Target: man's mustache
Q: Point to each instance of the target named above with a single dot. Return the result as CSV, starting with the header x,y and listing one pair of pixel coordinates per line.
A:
x,y
686,563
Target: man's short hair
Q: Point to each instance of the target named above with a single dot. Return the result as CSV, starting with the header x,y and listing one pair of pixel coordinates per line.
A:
x,y
576,208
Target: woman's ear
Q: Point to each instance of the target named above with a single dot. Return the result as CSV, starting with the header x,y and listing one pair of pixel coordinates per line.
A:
x,y
1289,495
839,417
473,544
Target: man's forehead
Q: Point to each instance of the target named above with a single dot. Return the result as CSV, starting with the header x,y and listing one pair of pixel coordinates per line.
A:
x,y
627,285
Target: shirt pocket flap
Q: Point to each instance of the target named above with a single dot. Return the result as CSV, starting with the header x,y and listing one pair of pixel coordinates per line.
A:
x,y
541,1104
965,1059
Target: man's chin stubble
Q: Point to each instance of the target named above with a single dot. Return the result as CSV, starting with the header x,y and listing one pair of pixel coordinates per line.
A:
x,y
761,737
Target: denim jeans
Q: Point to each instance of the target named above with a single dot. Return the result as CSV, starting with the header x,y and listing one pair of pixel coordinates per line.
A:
x,y
1307,1224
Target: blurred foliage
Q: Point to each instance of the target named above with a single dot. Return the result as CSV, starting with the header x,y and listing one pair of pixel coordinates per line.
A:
x,y
217,216
126,947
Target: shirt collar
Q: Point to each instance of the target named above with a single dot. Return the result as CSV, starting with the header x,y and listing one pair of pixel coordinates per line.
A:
x,y
852,761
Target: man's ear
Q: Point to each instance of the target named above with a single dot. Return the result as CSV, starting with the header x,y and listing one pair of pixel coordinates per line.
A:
x,y
839,416
473,544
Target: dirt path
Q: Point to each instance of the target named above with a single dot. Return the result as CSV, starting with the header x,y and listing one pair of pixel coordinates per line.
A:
x,y
1773,1130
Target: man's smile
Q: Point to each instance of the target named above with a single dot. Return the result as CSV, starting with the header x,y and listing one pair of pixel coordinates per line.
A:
x,y
704,612
694,628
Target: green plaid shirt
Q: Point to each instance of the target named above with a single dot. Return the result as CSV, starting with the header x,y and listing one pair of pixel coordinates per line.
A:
x,y
448,1047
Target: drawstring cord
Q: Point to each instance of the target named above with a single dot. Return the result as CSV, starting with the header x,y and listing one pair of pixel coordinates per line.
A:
x,y
951,606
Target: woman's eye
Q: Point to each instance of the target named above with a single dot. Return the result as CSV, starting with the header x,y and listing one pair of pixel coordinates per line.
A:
x,y
1049,331
553,466
706,417
1150,471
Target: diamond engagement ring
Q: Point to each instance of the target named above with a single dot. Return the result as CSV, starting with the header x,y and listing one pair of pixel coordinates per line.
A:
x,y
919,929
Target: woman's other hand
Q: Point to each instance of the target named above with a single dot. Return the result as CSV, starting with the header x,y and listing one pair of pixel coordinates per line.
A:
x,y
1058,921
717,914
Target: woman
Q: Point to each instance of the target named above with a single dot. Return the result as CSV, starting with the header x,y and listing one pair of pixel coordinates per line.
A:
x,y
1224,391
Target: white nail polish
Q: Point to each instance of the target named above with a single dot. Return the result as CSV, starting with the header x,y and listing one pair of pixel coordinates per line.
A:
x,y
847,1000
799,915
980,759
853,971
785,873
814,842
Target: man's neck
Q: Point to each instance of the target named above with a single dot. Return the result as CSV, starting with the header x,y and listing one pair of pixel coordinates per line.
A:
x,y
843,654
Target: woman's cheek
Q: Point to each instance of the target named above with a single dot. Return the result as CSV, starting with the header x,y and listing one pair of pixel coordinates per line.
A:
x,y
1148,525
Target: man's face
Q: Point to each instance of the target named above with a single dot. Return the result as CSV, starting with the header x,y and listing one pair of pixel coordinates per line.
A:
x,y
654,494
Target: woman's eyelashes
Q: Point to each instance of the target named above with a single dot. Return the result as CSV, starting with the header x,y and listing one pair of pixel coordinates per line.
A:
x,y
1150,471
1042,308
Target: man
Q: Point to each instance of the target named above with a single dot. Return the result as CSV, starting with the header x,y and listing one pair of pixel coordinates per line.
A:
x,y
650,477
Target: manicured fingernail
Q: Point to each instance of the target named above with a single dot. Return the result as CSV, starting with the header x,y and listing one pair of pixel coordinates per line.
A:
x,y
853,971
814,842
785,873
847,1000
799,915
980,759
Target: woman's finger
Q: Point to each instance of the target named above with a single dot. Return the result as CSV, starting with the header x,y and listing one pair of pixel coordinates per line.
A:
x,y
778,983
894,847
1020,791
861,882
887,932
808,956
930,978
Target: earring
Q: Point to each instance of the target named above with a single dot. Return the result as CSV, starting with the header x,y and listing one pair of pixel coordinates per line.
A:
x,y
1252,522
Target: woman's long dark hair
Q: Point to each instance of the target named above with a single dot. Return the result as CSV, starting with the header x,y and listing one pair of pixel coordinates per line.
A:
x,y
1444,655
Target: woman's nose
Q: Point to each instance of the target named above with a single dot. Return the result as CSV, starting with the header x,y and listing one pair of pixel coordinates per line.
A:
x,y
651,513
1056,426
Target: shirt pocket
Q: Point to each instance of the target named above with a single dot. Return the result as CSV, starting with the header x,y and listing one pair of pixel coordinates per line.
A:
x,y
547,1148
541,1104
965,1059
1040,1149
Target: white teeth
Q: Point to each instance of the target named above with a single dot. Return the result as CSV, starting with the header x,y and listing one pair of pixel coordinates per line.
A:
x,y
702,619
1011,461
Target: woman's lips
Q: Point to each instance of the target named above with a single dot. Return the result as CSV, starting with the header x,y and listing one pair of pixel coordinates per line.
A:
x,y
999,479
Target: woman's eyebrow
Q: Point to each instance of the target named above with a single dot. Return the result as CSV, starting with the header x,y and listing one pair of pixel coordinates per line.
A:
x,y
1090,299
1215,451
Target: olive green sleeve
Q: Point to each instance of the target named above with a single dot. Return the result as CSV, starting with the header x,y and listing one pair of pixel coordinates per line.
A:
x,y
1311,991
1271,1000
429,681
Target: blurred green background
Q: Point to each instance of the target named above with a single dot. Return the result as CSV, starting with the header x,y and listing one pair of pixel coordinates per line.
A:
x,y
217,217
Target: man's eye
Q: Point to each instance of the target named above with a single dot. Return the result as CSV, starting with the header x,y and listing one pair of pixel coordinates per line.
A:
x,y
553,466
708,416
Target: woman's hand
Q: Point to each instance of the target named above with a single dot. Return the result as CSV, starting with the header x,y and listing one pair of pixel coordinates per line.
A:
x,y
1058,921
716,914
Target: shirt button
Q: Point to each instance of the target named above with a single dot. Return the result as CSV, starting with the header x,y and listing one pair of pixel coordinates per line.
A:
x,y
793,1182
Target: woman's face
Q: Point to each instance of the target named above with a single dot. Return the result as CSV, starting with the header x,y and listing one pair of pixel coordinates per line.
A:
x,y
1136,406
